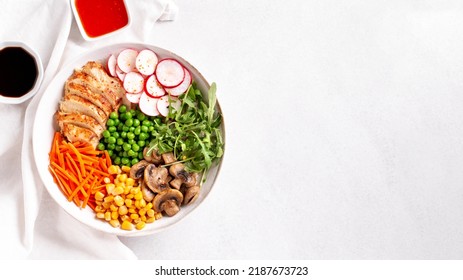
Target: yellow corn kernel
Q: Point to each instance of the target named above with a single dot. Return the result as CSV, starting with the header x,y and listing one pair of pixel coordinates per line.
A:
x,y
149,205
99,196
158,216
150,220
138,196
134,216
128,202
107,216
140,225
126,225
132,211
99,208
126,169
113,169
100,215
118,190
109,198
122,177
107,180
129,196
150,213
123,210
106,205
125,218
110,188
142,212
115,223
143,218
113,207
142,203
130,182
118,200
114,215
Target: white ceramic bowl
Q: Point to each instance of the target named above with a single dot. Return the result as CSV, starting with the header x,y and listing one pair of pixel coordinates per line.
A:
x,y
44,128
82,29
38,81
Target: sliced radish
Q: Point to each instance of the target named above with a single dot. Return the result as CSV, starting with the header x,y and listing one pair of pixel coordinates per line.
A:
x,y
133,97
112,65
148,105
182,87
169,73
153,88
134,82
146,62
120,74
163,104
126,60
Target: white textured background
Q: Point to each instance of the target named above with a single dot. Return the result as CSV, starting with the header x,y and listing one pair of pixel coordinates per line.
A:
x,y
344,130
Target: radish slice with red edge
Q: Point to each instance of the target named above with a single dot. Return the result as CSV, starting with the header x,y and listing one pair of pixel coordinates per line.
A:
x,y
182,87
146,62
120,74
126,60
153,88
163,104
169,73
148,105
133,97
133,82
112,65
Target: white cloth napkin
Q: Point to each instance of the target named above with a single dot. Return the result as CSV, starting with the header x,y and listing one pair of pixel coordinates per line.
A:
x,y
35,226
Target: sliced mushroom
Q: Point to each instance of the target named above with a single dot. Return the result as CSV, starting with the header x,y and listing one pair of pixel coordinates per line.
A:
x,y
190,195
178,171
168,201
137,170
148,194
168,158
176,183
153,156
156,178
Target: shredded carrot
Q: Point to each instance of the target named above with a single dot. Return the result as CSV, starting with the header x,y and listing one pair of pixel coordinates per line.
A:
x,y
78,170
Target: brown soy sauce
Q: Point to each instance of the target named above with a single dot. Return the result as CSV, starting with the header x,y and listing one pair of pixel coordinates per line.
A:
x,y
18,72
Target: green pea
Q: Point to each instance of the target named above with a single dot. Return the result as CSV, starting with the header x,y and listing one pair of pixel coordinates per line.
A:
x,y
128,115
131,141
110,122
141,116
113,115
125,128
100,146
140,155
111,140
137,130
143,136
110,153
117,122
125,161
136,122
134,161
117,161
131,153
129,122
118,148
135,147
115,134
126,146
147,123
130,135
122,109
111,146
112,128
131,129
124,154
119,141
106,133
144,128
124,134
141,143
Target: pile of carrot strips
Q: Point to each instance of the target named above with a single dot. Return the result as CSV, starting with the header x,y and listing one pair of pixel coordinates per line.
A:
x,y
78,170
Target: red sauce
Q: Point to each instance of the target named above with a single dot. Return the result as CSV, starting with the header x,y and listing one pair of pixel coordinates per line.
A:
x,y
100,17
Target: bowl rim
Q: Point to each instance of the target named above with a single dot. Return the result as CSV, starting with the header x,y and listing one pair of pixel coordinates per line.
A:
x,y
38,81
82,29
44,176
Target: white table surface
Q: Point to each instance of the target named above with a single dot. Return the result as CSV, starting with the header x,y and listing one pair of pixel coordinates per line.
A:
x,y
344,130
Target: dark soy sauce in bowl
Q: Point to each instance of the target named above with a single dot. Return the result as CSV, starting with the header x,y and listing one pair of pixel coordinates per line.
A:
x,y
18,72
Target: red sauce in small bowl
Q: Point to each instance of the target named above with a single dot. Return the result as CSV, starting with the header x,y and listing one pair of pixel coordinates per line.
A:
x,y
100,17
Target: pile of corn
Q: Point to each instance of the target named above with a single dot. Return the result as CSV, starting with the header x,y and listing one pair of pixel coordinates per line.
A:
x,y
123,206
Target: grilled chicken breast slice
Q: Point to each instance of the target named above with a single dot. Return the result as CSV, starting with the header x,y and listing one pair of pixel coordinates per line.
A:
x,y
111,86
75,133
75,104
79,120
84,92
